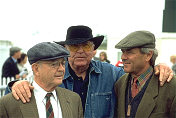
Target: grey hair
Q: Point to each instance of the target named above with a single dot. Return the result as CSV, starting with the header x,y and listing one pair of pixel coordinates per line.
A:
x,y
154,56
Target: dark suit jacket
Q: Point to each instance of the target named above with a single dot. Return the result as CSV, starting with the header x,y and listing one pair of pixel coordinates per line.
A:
x,y
157,101
9,68
70,102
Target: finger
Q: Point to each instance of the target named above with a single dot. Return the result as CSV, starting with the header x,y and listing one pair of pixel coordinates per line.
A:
x,y
24,93
15,94
162,76
27,90
170,77
156,71
19,94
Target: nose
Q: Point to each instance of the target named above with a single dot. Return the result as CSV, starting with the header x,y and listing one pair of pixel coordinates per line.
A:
x,y
123,56
80,49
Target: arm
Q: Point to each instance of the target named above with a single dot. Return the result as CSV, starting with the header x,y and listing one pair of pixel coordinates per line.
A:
x,y
164,72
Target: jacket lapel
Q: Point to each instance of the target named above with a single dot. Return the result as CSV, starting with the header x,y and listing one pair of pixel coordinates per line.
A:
x,y
121,105
30,109
147,103
65,104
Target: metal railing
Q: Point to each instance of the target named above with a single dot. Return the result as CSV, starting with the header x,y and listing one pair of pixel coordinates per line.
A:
x,y
4,82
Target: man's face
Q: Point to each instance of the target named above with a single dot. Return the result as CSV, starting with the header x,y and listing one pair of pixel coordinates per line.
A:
x,y
134,61
51,72
17,54
80,55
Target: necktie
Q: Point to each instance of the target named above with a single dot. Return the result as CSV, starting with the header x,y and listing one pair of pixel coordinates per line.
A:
x,y
134,88
49,108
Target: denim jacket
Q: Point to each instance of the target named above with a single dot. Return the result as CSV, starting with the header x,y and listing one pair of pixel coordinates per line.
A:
x,y
100,102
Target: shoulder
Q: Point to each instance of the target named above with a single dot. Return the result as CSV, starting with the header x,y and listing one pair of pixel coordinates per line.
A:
x,y
122,79
67,92
9,100
105,66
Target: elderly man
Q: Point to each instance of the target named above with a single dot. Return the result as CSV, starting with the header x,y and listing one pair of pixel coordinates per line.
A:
x,y
9,68
47,101
138,92
92,80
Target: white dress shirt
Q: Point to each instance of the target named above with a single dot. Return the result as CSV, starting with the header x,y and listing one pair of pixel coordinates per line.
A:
x,y
40,94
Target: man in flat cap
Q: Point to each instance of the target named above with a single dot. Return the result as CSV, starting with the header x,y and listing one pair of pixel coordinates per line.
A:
x,y
138,92
9,68
48,100
92,80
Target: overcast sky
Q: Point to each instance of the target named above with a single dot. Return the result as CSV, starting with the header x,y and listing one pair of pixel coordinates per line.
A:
x,y
26,22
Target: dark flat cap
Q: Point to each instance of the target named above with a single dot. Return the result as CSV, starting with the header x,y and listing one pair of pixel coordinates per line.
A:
x,y
13,50
46,51
138,39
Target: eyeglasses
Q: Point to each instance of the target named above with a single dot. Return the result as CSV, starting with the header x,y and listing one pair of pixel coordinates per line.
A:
x,y
54,64
85,46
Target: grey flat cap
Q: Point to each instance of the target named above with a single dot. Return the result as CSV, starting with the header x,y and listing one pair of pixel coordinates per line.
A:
x,y
138,39
13,50
46,51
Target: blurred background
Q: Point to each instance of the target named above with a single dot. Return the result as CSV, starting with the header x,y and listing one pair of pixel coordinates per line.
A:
x,y
24,23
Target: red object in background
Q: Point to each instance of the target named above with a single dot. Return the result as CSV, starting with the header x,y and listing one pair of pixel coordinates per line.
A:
x,y
119,63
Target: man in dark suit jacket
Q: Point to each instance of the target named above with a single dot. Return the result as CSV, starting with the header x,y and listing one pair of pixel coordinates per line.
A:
x,y
48,65
9,68
138,92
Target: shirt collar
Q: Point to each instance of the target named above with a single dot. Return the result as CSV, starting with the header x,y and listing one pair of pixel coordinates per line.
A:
x,y
40,93
144,77
14,59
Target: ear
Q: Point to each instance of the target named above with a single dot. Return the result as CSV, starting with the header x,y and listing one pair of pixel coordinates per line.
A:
x,y
149,56
35,69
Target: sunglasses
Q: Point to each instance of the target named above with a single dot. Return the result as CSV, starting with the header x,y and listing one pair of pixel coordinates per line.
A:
x,y
85,46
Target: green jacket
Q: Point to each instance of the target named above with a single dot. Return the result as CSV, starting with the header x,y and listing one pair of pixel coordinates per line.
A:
x,y
70,102
157,101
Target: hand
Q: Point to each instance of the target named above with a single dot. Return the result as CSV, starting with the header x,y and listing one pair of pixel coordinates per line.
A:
x,y
21,90
164,72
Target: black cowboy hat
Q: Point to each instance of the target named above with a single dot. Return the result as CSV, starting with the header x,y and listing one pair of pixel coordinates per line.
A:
x,y
80,34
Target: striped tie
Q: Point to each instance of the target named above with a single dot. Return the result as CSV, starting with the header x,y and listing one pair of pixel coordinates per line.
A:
x,y
49,108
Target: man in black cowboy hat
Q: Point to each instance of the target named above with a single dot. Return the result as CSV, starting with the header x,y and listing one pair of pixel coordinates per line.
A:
x,y
92,80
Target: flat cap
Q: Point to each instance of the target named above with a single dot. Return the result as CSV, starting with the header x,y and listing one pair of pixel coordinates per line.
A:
x,y
46,51
137,39
13,50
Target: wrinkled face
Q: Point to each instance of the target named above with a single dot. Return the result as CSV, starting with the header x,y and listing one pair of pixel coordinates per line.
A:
x,y
134,61
81,54
51,73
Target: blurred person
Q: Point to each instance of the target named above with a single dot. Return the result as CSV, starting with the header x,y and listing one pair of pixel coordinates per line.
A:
x,y
48,100
138,92
92,80
21,62
173,61
9,68
103,57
